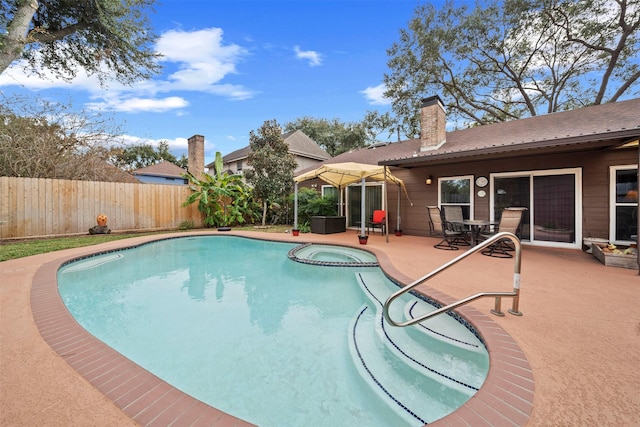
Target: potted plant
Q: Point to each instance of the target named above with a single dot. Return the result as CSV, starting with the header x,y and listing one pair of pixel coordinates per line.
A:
x,y
302,228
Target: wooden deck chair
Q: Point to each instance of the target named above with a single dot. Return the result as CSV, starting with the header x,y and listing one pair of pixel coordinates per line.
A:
x,y
378,221
442,229
510,222
453,215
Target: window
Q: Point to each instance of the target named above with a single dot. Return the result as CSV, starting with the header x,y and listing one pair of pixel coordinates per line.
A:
x,y
624,206
456,191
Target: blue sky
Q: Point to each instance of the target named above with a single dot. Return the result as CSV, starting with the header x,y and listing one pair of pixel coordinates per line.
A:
x,y
231,65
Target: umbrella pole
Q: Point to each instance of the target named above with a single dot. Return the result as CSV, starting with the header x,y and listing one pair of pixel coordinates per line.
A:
x,y
398,220
362,208
295,205
386,205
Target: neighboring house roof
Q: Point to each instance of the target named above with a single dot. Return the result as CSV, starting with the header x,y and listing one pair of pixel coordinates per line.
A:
x,y
299,144
234,156
597,126
162,169
111,173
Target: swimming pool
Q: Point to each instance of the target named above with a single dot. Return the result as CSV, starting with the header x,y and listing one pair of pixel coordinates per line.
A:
x,y
243,328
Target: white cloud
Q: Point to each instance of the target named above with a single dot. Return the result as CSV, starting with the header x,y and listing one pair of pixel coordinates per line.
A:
x,y
313,57
375,95
198,61
132,105
16,75
202,61
177,146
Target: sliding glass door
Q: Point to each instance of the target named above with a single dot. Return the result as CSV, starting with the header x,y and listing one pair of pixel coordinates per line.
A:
x,y
372,199
552,199
513,192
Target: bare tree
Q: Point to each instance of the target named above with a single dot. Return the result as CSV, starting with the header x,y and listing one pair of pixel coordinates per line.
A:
x,y
44,140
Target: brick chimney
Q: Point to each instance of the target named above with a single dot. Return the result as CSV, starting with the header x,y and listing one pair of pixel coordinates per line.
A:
x,y
195,156
433,123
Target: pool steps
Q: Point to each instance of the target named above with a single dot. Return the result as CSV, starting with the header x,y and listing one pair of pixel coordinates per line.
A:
x,y
382,352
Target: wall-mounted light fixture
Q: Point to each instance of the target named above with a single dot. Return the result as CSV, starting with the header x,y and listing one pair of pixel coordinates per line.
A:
x,y
429,180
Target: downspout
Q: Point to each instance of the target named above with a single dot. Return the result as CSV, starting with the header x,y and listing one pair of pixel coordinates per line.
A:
x,y
386,206
295,205
362,208
398,224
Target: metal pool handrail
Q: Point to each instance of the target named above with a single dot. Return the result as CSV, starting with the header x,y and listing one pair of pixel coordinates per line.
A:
x,y
498,295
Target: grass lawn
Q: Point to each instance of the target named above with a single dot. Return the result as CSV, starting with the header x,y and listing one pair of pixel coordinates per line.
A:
x,y
12,249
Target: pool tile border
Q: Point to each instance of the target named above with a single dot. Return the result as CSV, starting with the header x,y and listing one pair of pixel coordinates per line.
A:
x,y
505,399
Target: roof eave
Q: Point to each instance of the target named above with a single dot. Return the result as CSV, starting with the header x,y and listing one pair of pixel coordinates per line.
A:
x,y
558,145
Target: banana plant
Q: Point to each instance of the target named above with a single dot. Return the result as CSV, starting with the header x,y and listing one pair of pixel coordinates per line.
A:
x,y
218,196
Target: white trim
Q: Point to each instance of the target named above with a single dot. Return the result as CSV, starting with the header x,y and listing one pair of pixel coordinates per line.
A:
x,y
472,192
613,204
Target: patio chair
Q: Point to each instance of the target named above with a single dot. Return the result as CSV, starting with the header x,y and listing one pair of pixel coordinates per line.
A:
x,y
377,221
453,215
443,229
509,222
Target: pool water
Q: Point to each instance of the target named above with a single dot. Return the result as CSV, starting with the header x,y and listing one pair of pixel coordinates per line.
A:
x,y
237,324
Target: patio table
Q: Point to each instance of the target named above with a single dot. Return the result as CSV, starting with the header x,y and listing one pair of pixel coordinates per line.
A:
x,y
476,225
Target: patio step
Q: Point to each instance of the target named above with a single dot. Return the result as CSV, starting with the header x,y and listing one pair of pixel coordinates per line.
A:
x,y
416,399
450,337
411,369
441,330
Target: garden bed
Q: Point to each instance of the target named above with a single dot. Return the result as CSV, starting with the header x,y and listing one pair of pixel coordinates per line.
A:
x,y
616,256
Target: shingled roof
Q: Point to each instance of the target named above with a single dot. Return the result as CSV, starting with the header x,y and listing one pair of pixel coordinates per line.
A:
x,y
299,144
165,169
596,126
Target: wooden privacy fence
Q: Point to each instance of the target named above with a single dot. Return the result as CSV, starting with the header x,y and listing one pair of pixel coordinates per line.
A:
x,y
31,207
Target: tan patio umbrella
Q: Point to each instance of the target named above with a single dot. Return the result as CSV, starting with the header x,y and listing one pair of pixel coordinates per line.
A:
x,y
341,175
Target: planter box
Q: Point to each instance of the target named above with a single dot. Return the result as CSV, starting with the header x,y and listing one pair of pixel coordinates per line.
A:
x,y
328,224
613,259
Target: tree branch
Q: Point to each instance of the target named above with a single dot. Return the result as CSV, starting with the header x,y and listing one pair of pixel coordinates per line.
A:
x,y
15,38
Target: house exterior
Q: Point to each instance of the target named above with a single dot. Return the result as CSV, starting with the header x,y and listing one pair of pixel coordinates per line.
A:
x,y
307,154
161,173
576,172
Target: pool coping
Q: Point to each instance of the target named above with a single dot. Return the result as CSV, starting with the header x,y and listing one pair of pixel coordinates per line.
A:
x,y
505,398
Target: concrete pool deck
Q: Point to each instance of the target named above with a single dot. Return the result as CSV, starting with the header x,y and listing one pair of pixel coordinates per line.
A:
x,y
580,332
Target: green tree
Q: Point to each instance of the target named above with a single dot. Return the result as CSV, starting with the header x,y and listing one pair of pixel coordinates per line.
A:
x,y
334,136
311,203
104,37
375,124
223,198
139,156
272,166
502,60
